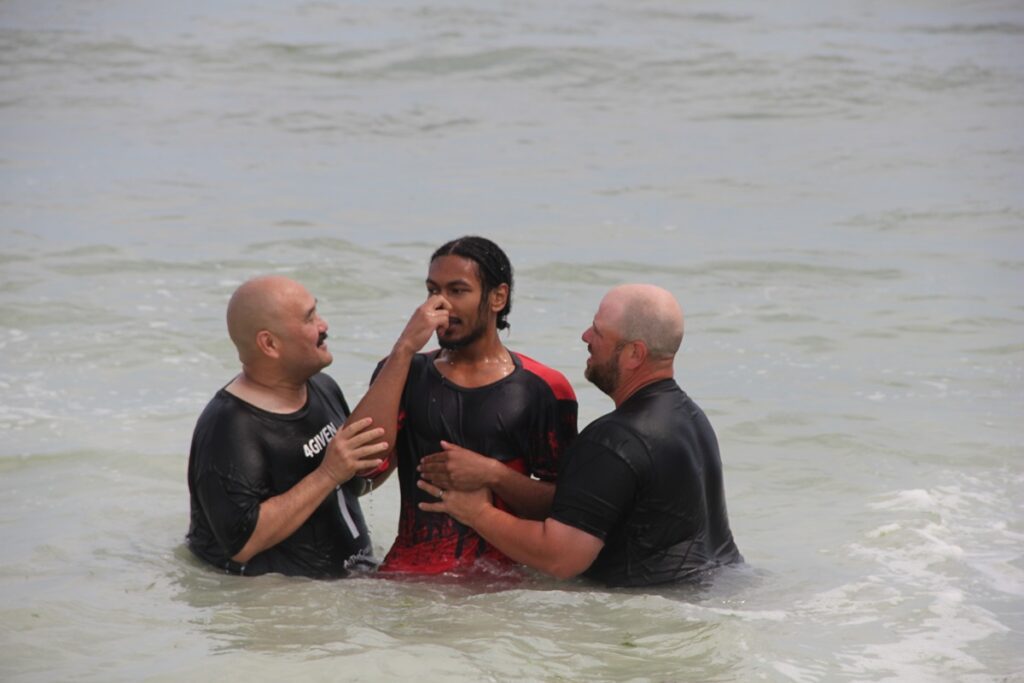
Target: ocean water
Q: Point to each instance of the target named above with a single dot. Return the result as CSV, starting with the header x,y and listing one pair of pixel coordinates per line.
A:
x,y
833,191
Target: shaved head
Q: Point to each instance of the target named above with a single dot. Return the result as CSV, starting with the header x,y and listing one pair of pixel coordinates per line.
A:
x,y
647,313
259,304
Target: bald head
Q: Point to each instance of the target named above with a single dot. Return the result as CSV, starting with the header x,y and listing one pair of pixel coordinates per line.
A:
x,y
647,313
259,304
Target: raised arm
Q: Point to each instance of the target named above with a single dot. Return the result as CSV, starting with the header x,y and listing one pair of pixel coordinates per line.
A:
x,y
383,398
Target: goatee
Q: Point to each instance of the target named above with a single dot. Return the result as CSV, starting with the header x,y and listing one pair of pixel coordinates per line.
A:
x,y
453,344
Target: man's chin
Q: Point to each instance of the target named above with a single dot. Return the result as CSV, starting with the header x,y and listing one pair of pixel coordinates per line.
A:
x,y
452,343
605,381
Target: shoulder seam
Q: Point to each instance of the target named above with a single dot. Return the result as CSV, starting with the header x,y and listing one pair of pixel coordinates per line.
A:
x,y
555,380
629,430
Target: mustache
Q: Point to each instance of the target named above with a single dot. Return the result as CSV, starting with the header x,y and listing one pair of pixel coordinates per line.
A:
x,y
320,340
452,320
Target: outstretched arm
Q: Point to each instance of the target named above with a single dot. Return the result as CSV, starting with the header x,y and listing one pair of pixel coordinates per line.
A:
x,y
549,546
462,469
355,448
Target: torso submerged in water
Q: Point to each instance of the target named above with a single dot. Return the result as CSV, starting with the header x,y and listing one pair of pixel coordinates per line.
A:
x,y
647,479
526,420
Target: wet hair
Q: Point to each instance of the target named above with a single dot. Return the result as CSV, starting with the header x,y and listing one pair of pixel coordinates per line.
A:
x,y
492,266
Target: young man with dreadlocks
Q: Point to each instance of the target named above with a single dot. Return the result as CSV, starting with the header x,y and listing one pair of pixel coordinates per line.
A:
x,y
473,393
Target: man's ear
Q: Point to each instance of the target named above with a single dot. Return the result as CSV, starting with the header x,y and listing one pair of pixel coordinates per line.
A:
x,y
636,354
266,342
499,297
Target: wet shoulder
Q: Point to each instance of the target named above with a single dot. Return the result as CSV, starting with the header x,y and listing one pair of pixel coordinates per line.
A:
x,y
555,380
225,407
226,419
325,383
329,392
644,419
613,431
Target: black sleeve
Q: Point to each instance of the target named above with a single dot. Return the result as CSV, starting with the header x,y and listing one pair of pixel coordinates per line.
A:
x,y
594,489
231,480
332,393
376,370
552,437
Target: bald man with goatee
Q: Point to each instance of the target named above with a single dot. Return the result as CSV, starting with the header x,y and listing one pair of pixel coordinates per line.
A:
x,y
641,499
277,464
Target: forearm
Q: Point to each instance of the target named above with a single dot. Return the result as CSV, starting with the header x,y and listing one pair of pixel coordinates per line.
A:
x,y
550,546
383,398
529,542
527,497
281,515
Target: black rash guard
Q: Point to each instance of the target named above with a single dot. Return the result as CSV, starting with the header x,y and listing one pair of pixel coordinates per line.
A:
x,y
242,455
526,420
647,480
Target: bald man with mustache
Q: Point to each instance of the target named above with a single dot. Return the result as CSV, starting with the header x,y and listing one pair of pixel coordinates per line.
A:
x,y
277,464
640,500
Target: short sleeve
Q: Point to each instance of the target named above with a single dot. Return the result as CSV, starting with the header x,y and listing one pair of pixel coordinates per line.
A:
x,y
553,436
554,420
595,489
333,392
376,370
231,481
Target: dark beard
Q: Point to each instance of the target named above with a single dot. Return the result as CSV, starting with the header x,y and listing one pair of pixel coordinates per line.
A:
x,y
605,376
474,334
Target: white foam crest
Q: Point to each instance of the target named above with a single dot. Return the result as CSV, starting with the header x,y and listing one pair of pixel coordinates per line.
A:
x,y
938,546
1001,575
884,530
857,602
938,642
933,550
911,499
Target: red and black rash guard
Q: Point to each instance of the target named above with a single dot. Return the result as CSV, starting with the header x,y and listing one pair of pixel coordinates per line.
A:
x,y
526,420
242,455
647,480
